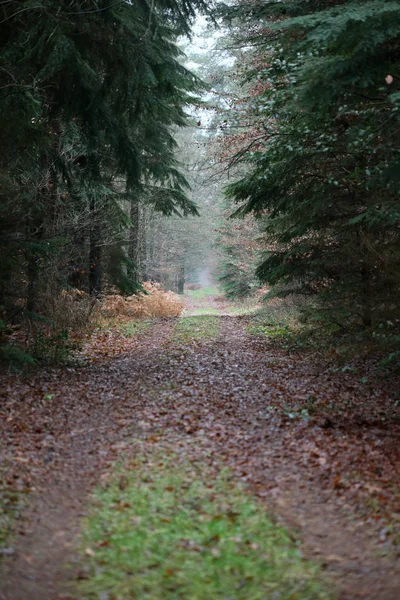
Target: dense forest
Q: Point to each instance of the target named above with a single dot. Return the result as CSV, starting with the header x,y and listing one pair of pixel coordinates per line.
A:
x,y
271,158
199,299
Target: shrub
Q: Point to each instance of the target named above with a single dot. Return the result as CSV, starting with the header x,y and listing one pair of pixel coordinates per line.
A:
x,y
65,318
153,302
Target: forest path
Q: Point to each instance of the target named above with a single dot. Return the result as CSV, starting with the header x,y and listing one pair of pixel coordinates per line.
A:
x,y
212,390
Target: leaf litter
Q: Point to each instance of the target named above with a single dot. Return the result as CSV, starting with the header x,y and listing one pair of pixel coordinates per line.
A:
x,y
319,449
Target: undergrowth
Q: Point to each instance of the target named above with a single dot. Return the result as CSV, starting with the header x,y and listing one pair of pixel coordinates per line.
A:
x,y
153,302
247,306
296,327
69,317
166,529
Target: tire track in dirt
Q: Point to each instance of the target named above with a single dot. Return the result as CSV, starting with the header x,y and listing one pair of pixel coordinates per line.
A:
x,y
209,400
60,449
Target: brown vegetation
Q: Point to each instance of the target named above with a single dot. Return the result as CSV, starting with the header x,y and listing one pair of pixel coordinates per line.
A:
x,y
154,302
71,317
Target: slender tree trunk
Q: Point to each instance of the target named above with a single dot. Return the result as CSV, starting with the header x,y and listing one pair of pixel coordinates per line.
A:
x,y
134,248
32,274
95,252
366,296
34,232
181,277
95,270
143,244
43,221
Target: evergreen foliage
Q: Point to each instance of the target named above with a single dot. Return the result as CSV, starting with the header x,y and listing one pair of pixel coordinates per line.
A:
x,y
90,95
326,179
239,248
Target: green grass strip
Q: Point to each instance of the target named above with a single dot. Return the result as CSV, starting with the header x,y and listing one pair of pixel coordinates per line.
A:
x,y
196,328
11,503
199,312
166,530
132,328
203,292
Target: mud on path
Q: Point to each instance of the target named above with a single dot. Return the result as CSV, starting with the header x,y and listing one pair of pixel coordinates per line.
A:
x,y
224,398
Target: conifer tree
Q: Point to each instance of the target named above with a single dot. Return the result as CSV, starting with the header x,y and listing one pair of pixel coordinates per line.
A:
x,y
90,93
326,177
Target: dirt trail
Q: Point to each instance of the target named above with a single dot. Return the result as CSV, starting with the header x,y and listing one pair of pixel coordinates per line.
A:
x,y
207,304
61,447
212,395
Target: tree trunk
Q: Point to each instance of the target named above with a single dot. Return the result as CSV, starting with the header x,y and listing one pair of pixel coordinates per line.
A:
x,y
366,296
43,221
32,275
95,271
143,244
181,278
95,252
134,249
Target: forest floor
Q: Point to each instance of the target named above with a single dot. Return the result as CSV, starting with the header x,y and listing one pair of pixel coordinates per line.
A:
x,y
317,448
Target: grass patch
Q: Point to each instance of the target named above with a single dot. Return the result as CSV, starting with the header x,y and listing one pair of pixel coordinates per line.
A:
x,y
277,314
237,310
166,529
196,329
11,502
132,328
289,336
283,322
295,326
209,290
198,312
